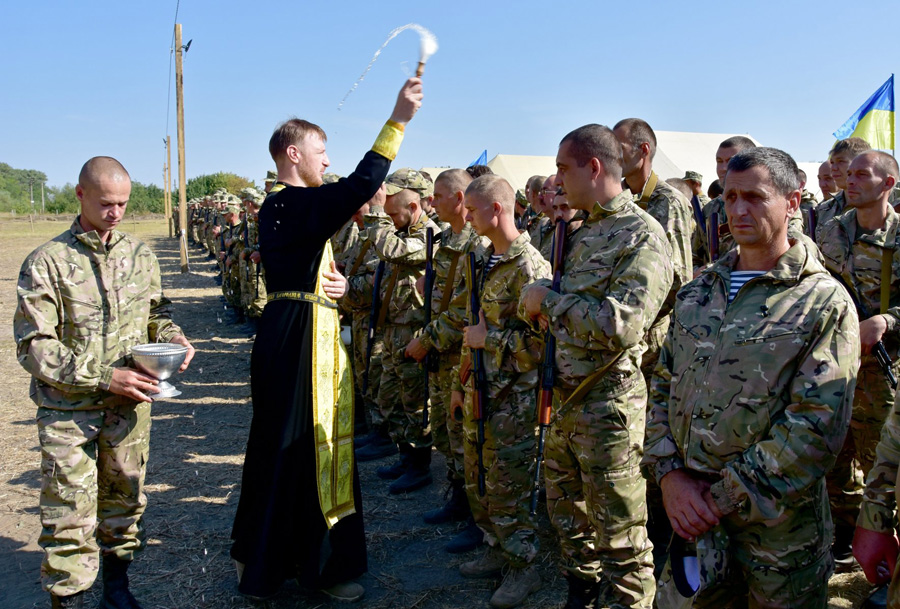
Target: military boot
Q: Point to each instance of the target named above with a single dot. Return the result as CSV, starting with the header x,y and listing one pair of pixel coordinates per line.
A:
x,y
491,563
468,539
516,586
73,601
843,550
115,584
379,448
392,472
582,593
456,508
417,474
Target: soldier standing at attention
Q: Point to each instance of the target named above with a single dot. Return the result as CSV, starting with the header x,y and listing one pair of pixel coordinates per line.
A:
x,y
862,246
842,153
617,275
84,300
512,352
750,404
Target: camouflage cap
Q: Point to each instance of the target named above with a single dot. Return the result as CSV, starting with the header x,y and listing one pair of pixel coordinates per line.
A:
x,y
271,176
411,179
232,208
694,176
252,195
521,199
330,178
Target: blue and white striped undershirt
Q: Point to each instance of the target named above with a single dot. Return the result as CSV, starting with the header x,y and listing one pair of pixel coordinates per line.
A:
x,y
494,259
738,279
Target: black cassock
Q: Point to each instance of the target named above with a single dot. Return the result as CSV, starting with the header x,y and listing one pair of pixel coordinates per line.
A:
x,y
279,527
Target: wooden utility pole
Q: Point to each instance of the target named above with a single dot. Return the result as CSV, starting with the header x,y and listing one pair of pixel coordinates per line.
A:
x,y
169,217
182,200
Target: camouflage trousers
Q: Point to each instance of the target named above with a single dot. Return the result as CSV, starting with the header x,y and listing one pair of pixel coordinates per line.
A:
x,y
783,564
446,429
359,331
872,403
92,483
231,285
596,494
508,456
402,389
253,290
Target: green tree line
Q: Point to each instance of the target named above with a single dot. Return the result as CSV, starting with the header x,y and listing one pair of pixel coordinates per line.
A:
x,y
16,184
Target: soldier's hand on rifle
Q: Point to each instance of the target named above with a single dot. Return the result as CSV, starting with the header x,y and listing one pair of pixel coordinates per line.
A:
x,y
133,384
221,255
420,285
255,257
416,350
216,230
228,242
228,262
334,284
870,332
457,399
474,336
532,299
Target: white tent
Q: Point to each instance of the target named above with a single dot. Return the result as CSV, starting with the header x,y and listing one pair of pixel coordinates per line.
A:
x,y
677,152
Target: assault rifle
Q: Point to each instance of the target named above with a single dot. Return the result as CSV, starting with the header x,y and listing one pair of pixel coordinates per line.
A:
x,y
247,247
430,360
548,370
884,360
479,377
712,236
812,219
698,213
373,321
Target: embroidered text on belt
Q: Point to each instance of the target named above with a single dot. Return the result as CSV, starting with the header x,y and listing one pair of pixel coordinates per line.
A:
x,y
303,296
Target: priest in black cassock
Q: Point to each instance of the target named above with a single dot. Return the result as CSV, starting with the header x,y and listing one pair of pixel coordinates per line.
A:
x,y
300,511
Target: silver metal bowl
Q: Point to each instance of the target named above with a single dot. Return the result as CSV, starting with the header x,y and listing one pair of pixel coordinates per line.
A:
x,y
160,360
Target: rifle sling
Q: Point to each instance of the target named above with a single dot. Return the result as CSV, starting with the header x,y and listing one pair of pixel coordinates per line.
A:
x,y
386,301
590,382
887,258
448,285
359,259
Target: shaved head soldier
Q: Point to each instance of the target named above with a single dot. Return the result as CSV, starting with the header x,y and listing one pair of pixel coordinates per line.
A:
x,y
842,154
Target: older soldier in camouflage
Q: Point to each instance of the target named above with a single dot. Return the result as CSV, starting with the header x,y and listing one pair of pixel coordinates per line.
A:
x,y
616,277
449,262
842,154
862,246
397,233
84,300
751,402
512,352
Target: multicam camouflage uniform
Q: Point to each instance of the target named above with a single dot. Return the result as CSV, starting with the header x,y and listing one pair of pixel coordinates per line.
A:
x,y
362,260
828,209
253,283
446,340
402,388
755,397
616,277
344,240
511,356
541,235
82,306
878,510
857,257
231,285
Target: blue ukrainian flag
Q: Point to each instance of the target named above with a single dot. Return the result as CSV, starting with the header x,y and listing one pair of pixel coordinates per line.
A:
x,y
874,121
481,160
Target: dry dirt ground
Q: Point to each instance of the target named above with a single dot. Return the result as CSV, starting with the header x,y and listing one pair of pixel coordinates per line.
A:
x,y
193,477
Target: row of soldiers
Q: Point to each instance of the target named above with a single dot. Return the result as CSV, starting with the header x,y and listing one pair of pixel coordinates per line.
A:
x,y
462,373
226,227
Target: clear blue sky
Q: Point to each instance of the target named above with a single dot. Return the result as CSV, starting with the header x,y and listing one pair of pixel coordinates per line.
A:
x,y
88,78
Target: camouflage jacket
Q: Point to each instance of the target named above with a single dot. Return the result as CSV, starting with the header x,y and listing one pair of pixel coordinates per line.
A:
x,y
447,338
344,240
878,509
404,253
541,234
512,349
236,235
82,306
358,298
252,244
828,209
756,394
674,212
616,277
856,258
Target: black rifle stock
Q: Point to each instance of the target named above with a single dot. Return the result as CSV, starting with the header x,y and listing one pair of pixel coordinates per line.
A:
x,y
884,360
373,321
429,289
247,247
548,369
478,375
698,213
812,219
712,234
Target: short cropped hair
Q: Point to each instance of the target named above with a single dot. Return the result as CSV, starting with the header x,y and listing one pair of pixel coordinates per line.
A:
x,y
639,132
493,188
595,141
291,133
854,145
476,171
783,170
738,141
456,179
